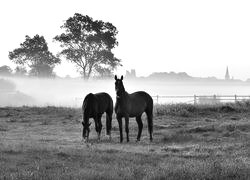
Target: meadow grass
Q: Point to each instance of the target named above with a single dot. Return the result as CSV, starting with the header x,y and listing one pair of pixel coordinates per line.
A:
x,y
44,163
96,164
192,110
190,142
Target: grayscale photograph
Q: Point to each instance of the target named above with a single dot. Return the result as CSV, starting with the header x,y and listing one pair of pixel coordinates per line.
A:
x,y
135,89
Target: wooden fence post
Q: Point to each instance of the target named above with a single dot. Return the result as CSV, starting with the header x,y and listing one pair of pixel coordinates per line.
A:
x,y
235,97
195,100
157,98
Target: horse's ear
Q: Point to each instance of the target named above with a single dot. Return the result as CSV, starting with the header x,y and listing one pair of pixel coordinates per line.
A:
x,y
115,77
122,77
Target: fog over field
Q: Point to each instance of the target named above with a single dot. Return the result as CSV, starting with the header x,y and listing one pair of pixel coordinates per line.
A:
x,y
59,92
71,92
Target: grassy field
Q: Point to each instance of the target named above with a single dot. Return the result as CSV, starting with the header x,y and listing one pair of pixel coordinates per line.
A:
x,y
190,142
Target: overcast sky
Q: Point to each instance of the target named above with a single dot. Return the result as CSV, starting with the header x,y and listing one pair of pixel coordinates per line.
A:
x,y
199,37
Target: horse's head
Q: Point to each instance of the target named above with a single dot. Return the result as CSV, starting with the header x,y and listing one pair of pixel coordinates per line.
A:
x,y
85,131
119,88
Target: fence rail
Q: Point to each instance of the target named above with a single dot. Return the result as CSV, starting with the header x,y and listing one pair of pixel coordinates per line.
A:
x,y
203,99
195,99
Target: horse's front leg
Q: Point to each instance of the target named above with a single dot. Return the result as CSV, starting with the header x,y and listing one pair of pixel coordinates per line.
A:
x,y
126,127
119,119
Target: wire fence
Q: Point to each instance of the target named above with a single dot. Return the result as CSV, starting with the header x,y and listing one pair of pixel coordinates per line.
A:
x,y
194,99
200,99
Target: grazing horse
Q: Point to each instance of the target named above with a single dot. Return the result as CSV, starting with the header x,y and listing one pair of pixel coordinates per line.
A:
x,y
132,105
94,105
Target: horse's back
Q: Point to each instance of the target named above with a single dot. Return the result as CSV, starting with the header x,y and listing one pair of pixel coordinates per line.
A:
x,y
103,96
97,103
140,102
105,102
141,96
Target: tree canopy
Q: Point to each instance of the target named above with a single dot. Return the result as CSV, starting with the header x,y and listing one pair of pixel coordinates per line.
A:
x,y
34,52
88,44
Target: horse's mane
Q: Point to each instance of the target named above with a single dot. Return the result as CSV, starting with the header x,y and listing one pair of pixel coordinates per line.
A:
x,y
88,98
123,88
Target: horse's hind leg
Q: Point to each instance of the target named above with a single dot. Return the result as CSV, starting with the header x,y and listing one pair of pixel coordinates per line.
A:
x,y
140,126
108,124
98,125
150,124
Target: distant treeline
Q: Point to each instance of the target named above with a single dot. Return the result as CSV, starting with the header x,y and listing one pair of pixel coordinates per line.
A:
x,y
155,76
183,76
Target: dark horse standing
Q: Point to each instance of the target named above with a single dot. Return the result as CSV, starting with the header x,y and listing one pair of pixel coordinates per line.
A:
x,y
132,105
94,105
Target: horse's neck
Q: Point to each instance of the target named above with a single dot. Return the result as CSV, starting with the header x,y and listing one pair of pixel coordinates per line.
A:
x,y
123,98
125,95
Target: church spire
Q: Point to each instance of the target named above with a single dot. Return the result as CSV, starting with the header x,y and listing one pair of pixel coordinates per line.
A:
x,y
227,77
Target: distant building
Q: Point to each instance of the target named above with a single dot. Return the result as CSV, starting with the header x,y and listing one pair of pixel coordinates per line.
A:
x,y
131,74
227,76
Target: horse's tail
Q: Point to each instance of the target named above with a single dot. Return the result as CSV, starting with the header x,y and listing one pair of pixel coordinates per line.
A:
x,y
149,112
